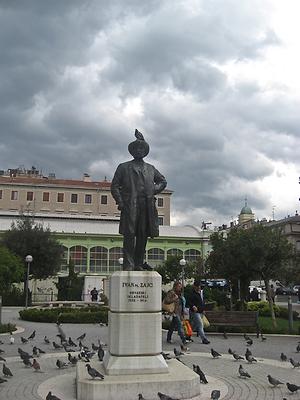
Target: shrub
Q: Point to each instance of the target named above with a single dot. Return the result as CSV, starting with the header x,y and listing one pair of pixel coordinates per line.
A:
x,y
13,297
66,314
7,328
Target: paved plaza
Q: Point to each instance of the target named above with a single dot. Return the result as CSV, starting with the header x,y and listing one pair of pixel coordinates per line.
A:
x,y
221,373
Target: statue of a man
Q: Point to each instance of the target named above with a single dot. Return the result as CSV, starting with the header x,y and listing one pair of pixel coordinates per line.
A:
x,y
133,187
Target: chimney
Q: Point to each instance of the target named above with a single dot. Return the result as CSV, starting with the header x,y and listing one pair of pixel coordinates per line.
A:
x,y
86,178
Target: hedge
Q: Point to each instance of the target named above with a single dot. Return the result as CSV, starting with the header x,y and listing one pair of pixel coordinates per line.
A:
x,y
7,328
264,309
82,315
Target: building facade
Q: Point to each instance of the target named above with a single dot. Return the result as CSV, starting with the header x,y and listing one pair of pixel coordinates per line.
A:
x,y
29,191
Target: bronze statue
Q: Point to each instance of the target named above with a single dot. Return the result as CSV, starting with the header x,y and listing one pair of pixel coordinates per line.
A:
x,y
133,187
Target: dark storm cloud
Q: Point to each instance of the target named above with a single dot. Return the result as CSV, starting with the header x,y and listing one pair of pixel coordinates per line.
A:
x,y
77,77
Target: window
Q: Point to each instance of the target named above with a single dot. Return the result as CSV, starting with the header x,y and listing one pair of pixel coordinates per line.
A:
x,y
115,254
60,197
156,256
29,196
192,255
88,199
1,193
160,220
46,196
74,198
175,252
103,199
98,259
160,202
78,254
64,260
14,195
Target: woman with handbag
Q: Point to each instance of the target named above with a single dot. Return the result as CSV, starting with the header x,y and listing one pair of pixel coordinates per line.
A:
x,y
197,306
175,298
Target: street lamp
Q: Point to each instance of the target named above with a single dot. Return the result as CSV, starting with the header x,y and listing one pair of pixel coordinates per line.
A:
x,y
182,263
121,260
28,259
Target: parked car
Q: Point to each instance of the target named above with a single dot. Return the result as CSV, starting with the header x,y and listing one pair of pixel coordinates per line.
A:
x,y
296,288
285,290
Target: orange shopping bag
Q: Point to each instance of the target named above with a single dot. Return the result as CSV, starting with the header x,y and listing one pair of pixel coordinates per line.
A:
x,y
187,328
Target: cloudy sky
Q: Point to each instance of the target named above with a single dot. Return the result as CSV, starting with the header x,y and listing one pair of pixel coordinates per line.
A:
x,y
213,85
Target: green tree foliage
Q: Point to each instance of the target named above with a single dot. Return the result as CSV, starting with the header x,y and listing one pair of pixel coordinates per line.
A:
x,y
171,270
258,253
70,287
26,237
11,269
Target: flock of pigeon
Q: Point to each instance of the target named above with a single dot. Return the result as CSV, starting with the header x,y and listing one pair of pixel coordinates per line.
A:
x,y
84,354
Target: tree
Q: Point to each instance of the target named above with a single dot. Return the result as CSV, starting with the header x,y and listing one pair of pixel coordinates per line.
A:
x,y
11,269
258,253
171,270
70,287
25,237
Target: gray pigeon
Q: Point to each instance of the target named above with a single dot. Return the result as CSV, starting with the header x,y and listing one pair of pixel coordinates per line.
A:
x,y
201,374
61,364
100,353
215,354
51,396
215,394
273,381
164,396
81,337
2,380
292,388
243,373
6,371
250,358
295,364
177,353
93,372
283,357
141,397
237,356
2,359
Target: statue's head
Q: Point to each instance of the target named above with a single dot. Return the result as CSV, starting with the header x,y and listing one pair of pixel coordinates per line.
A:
x,y
139,148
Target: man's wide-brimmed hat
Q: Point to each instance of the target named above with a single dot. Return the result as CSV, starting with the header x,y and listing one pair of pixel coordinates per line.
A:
x,y
138,142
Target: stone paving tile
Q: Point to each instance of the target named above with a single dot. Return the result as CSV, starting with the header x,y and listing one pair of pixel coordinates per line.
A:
x,y
25,383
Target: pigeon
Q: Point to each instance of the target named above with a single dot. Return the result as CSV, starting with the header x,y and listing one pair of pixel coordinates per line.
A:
x,y
201,374
230,351
11,340
27,362
100,353
283,357
273,381
184,348
61,364
215,354
248,353
51,396
67,349
32,336
94,347
6,371
2,380
295,364
71,343
36,366
262,337
61,334
1,342
249,342
177,352
24,340
93,372
56,345
141,397
243,373
163,396
2,359
250,358
237,356
72,360
46,340
246,337
215,394
166,356
81,337
298,348
292,388
2,351
225,335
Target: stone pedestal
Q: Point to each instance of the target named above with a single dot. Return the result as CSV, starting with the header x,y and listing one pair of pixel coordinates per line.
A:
x,y
135,324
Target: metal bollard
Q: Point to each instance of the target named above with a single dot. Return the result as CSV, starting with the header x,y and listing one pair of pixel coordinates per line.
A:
x,y
290,310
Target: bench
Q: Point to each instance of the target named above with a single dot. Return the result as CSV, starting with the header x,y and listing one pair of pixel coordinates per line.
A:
x,y
234,318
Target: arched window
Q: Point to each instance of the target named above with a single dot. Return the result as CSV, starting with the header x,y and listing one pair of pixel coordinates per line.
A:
x,y
78,254
64,260
98,259
175,252
156,257
115,253
192,255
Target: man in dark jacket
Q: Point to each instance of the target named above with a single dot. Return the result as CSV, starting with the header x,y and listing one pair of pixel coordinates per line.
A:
x,y
197,306
133,187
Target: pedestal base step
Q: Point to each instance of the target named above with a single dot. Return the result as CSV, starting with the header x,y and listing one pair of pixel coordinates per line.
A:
x,y
180,383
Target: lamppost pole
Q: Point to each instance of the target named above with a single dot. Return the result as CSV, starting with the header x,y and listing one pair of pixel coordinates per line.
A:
x,y
182,263
28,259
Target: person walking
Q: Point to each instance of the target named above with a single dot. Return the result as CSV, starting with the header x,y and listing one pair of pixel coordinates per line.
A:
x,y
197,306
175,296
94,294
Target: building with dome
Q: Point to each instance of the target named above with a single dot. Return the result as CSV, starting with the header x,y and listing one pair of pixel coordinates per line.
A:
x,y
246,216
